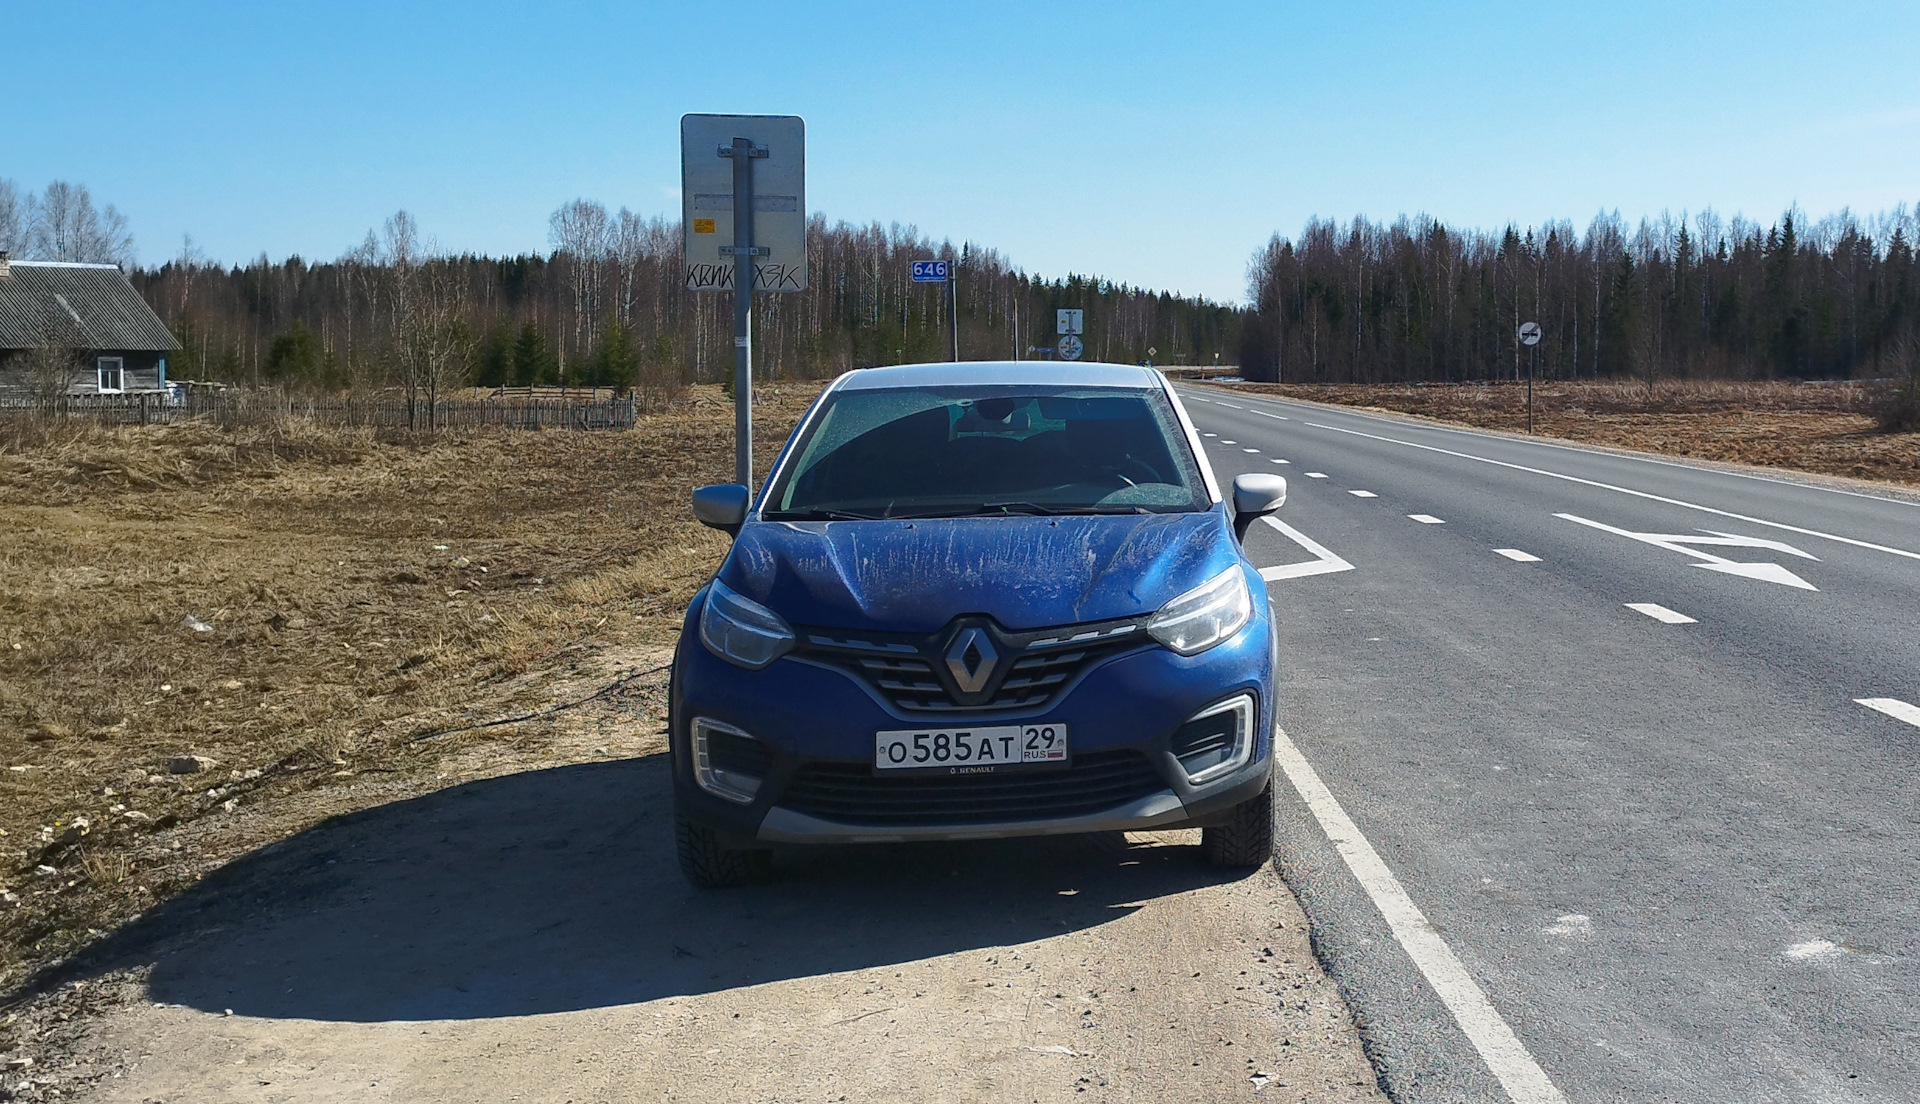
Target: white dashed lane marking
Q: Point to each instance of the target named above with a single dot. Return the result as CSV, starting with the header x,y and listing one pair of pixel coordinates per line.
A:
x,y
1517,556
1893,707
1426,519
1249,450
1209,435
1316,475
1661,613
1277,460
1363,494
1224,441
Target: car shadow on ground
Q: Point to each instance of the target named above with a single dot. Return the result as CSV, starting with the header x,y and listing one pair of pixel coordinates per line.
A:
x,y
557,890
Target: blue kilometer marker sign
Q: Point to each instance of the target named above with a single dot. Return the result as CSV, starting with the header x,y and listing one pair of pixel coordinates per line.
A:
x,y
930,272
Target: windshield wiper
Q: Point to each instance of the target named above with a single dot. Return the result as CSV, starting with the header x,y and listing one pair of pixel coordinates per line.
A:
x,y
825,515
989,509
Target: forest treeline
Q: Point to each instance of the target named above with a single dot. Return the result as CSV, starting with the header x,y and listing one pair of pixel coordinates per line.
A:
x,y
607,307
1416,300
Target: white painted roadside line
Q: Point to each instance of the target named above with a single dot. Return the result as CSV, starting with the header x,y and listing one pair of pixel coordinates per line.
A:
x,y
1629,491
1661,613
1426,519
1505,1055
1893,707
1518,556
1324,562
1363,494
1268,414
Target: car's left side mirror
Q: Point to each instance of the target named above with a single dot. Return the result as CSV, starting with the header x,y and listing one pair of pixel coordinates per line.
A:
x,y
1255,495
722,506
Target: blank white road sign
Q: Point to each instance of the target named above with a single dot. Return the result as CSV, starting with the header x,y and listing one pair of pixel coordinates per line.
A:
x,y
779,200
1071,321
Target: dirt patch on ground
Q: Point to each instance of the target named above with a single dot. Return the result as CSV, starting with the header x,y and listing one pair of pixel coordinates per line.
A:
x,y
211,639
1824,428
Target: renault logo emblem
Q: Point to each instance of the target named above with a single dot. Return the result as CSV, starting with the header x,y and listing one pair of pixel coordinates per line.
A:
x,y
971,659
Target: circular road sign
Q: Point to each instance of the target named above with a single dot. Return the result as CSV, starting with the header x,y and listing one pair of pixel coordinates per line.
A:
x,y
1529,333
1071,347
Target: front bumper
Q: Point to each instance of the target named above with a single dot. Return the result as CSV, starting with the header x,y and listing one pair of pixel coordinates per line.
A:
x,y
812,717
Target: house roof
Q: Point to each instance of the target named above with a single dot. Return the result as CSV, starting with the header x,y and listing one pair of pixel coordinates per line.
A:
x,y
95,299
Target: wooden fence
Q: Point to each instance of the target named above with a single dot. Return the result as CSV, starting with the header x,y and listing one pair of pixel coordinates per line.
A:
x,y
230,407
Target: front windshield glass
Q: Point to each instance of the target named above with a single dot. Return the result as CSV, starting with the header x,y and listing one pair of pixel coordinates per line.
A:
x,y
957,451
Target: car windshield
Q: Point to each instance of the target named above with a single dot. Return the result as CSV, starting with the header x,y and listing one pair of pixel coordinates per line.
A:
x,y
963,451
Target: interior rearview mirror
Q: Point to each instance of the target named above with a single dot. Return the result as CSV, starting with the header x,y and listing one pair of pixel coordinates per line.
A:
x,y
1255,495
722,506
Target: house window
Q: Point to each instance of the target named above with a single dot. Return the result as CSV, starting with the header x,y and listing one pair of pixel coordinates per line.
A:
x,y
112,375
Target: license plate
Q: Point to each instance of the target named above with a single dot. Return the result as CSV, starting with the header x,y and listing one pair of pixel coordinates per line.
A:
x,y
970,750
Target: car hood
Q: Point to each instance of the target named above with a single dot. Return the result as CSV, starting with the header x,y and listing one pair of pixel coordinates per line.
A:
x,y
1024,572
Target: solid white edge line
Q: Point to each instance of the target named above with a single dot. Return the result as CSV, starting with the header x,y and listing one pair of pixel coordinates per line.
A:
x,y
1661,613
1893,707
1505,1055
1628,491
1323,563
1517,556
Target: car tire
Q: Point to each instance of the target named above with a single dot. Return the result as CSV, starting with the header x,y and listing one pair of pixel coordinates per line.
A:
x,y
1245,837
709,864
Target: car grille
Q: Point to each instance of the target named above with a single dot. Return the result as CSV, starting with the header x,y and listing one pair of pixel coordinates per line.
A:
x,y
906,671
850,793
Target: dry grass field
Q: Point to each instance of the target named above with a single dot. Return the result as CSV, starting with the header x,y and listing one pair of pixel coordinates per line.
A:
x,y
295,605
1824,428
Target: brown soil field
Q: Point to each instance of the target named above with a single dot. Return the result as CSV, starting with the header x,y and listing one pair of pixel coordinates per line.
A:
x,y
1827,429
298,605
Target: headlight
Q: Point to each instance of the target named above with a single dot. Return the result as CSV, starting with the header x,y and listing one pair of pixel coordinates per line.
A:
x,y
742,631
1205,615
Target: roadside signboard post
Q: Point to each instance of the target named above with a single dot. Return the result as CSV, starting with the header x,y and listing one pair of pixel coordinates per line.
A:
x,y
1530,337
941,272
743,196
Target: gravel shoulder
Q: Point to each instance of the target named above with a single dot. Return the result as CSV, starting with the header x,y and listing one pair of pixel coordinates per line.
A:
x,y
527,936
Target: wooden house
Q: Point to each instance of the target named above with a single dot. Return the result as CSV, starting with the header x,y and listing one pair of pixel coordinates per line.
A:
x,y
77,329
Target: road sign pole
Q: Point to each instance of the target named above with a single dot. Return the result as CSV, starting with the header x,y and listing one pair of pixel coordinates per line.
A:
x,y
1532,355
743,153
953,313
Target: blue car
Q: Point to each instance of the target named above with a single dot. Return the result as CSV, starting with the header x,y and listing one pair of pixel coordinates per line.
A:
x,y
978,600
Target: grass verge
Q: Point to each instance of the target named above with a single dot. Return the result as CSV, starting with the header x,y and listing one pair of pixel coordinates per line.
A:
x,y
1829,429
213,638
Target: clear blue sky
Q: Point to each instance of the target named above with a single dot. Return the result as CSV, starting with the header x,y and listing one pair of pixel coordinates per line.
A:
x,y
1154,144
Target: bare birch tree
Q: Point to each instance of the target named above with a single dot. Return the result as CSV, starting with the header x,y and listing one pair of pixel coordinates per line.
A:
x,y
64,226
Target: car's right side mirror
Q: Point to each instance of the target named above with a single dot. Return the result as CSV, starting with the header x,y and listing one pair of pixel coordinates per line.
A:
x,y
1255,495
722,506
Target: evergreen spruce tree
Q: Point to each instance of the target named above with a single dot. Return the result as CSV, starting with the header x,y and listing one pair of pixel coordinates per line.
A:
x,y
533,362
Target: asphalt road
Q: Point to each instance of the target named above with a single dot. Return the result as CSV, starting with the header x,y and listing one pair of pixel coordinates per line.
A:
x,y
1667,843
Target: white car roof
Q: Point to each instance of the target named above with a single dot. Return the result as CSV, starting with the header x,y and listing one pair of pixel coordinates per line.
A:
x,y
1031,373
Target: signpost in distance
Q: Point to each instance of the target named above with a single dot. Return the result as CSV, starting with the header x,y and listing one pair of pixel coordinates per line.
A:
x,y
941,272
1530,337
